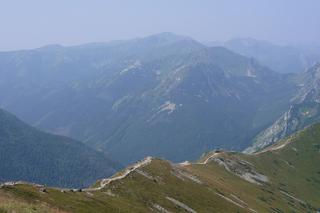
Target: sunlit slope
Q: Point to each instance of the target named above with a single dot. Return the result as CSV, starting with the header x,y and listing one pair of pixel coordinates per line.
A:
x,y
282,178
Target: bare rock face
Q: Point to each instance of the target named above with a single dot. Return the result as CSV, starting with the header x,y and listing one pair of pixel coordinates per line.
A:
x,y
280,129
241,168
304,111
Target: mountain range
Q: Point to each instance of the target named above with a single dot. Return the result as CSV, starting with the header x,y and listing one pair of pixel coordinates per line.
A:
x,y
169,97
164,95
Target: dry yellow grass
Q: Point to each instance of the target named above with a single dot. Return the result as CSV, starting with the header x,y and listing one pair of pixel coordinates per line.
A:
x,y
10,205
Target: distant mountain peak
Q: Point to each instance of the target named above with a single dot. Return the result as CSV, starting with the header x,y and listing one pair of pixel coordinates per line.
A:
x,y
51,47
281,58
246,41
168,36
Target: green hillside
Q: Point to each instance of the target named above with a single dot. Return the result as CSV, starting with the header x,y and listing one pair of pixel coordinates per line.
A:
x,y
283,178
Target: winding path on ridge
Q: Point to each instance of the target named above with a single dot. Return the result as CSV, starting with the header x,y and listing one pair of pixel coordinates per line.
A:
x,y
126,172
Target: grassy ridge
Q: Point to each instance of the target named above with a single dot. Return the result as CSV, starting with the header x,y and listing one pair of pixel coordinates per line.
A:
x,y
292,171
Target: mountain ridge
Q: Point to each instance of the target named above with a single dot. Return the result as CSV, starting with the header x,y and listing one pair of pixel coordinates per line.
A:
x,y
281,58
218,181
144,94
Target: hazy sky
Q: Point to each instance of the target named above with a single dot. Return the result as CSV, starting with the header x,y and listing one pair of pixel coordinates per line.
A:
x,y
33,23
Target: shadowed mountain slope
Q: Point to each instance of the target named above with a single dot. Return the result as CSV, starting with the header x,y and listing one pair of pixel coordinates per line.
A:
x,y
31,155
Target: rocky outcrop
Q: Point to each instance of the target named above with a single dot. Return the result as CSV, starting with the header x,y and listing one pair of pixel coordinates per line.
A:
x,y
280,129
239,167
305,110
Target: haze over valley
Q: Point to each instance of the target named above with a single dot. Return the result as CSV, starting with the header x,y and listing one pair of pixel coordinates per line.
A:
x,y
165,116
